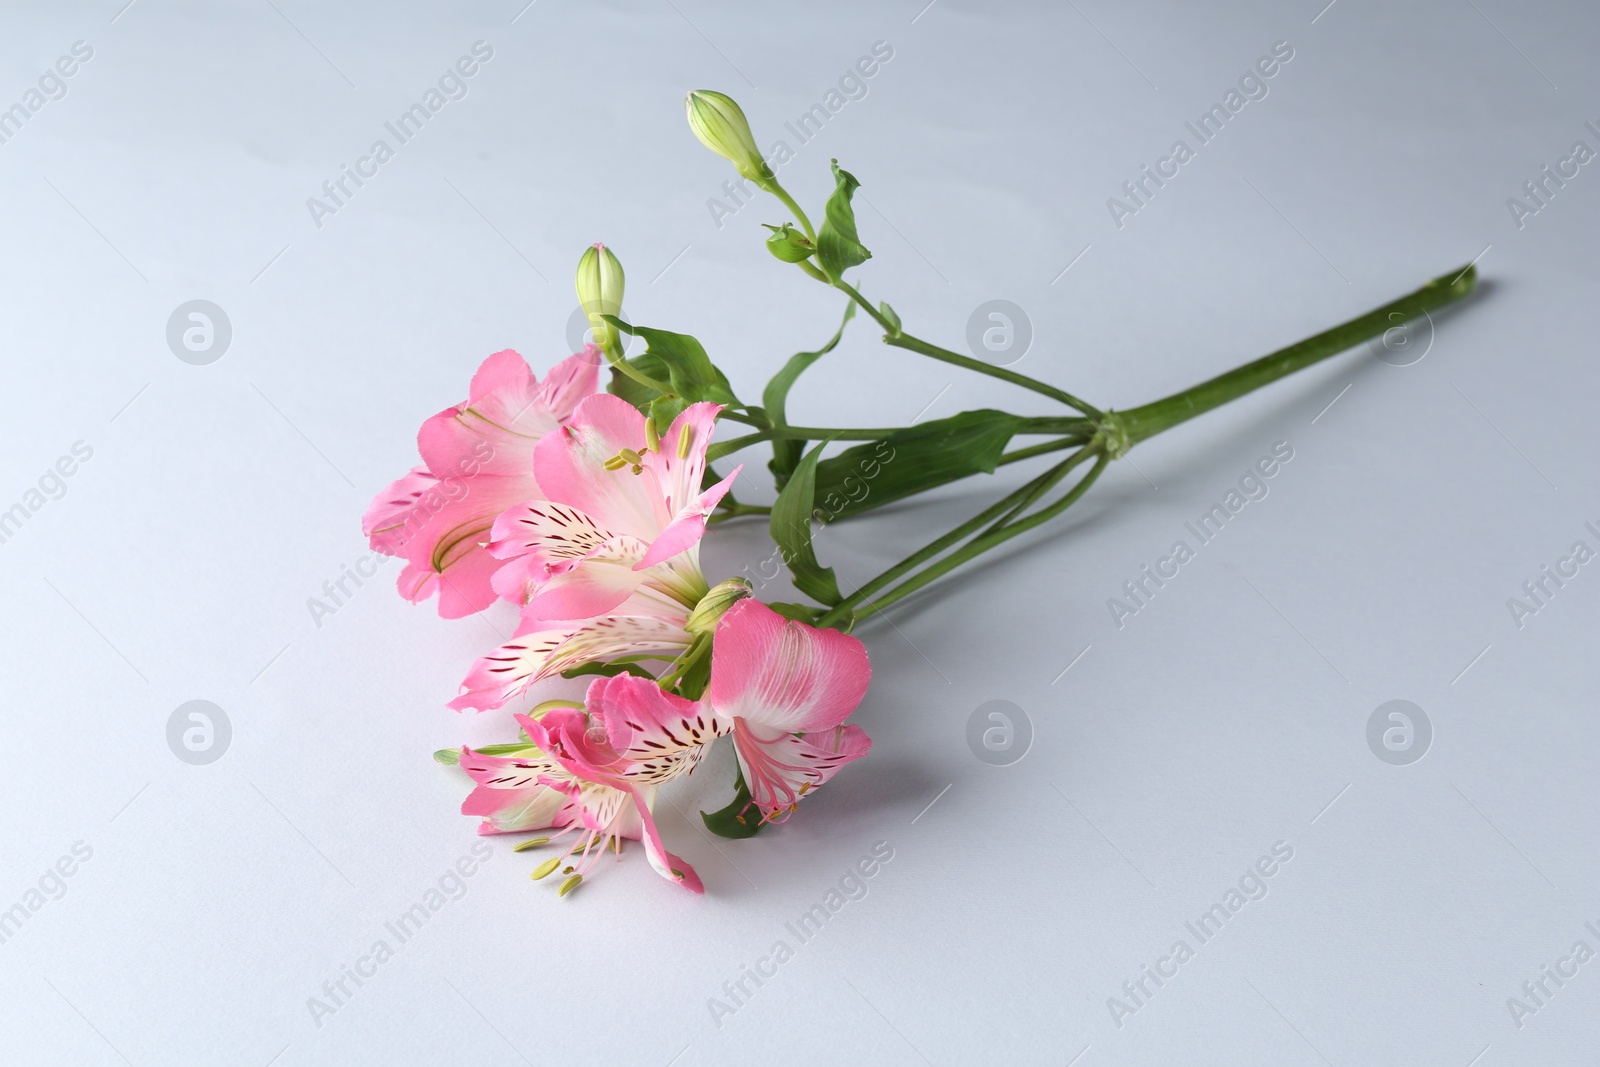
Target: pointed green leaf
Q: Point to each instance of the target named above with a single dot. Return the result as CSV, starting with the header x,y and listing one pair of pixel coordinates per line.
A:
x,y
791,529
797,612
785,454
889,313
607,670
691,372
838,248
740,818
912,460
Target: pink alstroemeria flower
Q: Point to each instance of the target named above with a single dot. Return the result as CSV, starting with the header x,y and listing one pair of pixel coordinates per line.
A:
x,y
477,461
783,690
594,772
780,688
607,564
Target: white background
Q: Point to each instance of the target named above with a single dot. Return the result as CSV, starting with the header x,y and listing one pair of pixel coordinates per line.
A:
x,y
1228,715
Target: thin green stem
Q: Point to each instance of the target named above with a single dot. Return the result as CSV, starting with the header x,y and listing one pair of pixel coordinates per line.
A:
x,y
933,548
1040,490
1042,449
944,355
866,305
985,542
893,335
1077,431
681,666
800,216
726,511
1147,420
622,366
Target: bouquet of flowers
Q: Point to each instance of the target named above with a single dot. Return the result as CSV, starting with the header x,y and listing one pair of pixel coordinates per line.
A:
x,y
584,507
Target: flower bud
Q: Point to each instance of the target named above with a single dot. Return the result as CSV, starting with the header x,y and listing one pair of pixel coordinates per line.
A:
x,y
600,284
722,127
789,244
715,604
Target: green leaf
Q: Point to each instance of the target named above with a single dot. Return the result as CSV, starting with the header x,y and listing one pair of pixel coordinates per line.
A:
x,y
791,529
639,396
606,670
785,454
797,612
838,248
889,313
912,460
740,818
664,409
691,372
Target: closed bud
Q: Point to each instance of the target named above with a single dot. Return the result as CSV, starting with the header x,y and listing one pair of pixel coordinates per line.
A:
x,y
600,284
722,127
715,604
789,244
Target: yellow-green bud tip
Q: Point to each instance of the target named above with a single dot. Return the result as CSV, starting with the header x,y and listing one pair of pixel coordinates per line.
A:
x,y
600,283
721,126
715,604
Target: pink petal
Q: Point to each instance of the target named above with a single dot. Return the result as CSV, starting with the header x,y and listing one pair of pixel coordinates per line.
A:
x,y
597,585
571,380
688,525
505,415
680,478
781,675
655,735
571,467
780,767
441,533
510,794
549,540
544,649
386,517
668,866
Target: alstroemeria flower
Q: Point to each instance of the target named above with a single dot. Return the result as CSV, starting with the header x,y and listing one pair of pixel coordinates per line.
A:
x,y
594,772
619,501
784,689
607,563
477,462
780,688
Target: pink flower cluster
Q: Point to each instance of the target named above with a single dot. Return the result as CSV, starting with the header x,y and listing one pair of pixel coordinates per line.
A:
x,y
572,505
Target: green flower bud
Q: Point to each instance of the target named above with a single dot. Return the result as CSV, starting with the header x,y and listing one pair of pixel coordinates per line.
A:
x,y
722,127
789,244
715,604
600,284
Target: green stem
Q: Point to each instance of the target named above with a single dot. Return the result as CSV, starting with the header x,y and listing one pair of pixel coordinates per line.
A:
x,y
1039,450
681,666
1077,430
726,511
622,366
866,305
899,339
800,216
845,607
1120,431
916,344
1147,420
1041,489
987,541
